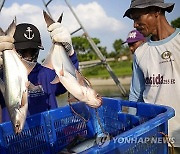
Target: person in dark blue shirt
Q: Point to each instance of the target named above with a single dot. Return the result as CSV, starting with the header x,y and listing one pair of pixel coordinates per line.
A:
x,y
27,42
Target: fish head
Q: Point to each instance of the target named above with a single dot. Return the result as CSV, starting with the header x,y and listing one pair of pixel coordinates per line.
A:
x,y
94,99
20,118
18,113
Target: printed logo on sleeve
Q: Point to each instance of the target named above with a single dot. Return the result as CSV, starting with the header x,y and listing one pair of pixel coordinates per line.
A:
x,y
156,80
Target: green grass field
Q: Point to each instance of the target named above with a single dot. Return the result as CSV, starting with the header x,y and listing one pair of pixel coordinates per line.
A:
x,y
120,68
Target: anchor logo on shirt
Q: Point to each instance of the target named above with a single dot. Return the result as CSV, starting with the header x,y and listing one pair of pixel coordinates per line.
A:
x,y
30,35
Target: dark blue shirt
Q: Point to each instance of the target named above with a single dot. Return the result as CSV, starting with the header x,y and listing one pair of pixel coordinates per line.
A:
x,y
43,97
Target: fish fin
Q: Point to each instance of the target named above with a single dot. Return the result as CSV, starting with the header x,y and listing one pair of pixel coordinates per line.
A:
x,y
2,87
81,79
87,81
61,71
11,29
47,62
48,19
2,33
56,80
23,100
27,84
60,18
71,98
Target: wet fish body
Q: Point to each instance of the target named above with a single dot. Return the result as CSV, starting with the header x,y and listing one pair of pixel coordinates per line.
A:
x,y
16,93
67,74
84,145
15,85
87,144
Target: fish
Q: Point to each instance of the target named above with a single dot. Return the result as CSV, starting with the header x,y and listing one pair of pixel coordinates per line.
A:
x,y
75,83
79,144
84,145
15,83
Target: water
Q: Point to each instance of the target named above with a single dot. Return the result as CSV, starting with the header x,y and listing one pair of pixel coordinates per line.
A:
x,y
103,90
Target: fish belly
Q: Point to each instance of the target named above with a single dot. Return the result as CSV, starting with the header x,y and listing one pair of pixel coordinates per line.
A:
x,y
14,78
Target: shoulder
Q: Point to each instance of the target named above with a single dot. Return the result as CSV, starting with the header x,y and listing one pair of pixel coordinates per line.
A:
x,y
140,51
178,30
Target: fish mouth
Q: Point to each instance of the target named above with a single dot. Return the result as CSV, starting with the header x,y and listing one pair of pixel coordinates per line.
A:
x,y
99,97
17,128
100,100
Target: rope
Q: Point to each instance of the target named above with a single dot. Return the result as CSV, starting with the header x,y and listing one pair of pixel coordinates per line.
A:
x,y
168,141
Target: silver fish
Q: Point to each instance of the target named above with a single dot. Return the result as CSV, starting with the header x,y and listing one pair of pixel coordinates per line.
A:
x,y
15,85
78,144
67,74
84,146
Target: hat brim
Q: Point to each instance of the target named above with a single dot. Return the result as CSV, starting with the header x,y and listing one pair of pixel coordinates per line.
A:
x,y
131,41
25,45
167,6
124,42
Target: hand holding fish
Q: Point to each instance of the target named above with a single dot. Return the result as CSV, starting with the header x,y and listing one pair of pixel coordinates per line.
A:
x,y
15,79
6,43
67,74
60,34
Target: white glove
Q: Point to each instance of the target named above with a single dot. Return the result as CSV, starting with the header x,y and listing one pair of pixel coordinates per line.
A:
x,y
59,34
6,43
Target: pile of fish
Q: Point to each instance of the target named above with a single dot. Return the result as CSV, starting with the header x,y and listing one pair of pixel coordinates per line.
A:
x,y
15,85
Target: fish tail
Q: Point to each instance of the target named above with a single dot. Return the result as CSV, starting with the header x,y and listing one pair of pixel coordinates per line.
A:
x,y
11,29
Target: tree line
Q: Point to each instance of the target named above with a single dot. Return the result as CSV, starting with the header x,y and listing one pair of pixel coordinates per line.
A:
x,y
86,53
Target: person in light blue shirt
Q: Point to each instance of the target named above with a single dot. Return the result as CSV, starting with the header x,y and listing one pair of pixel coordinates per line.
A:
x,y
156,64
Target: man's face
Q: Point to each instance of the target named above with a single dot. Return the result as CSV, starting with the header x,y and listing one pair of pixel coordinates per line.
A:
x,y
145,21
29,54
134,46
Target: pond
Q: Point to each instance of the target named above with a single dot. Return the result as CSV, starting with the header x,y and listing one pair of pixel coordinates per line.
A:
x,y
103,90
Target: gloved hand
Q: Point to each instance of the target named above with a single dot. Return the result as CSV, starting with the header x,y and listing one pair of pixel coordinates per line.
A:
x,y
59,34
6,43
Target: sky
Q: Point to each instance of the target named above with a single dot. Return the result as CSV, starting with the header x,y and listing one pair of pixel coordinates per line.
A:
x,y
102,19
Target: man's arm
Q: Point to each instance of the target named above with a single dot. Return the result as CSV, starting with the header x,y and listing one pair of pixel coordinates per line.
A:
x,y
137,83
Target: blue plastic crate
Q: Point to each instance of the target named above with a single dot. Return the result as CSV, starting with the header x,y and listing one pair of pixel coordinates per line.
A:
x,y
52,131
